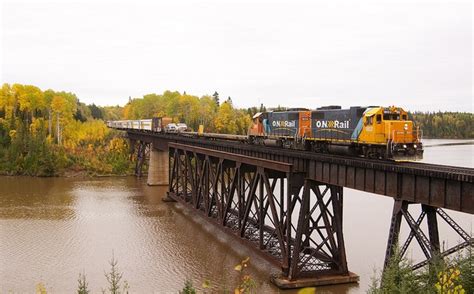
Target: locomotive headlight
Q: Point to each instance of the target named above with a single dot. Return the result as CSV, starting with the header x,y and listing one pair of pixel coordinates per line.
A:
x,y
404,146
405,127
414,146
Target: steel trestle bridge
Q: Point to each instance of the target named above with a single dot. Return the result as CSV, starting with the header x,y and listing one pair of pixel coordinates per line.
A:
x,y
287,204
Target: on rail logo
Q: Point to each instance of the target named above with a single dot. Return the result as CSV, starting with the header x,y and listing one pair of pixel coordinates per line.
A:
x,y
332,124
284,123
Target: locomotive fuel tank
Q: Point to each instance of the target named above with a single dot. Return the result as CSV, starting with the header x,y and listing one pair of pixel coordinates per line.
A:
x,y
341,149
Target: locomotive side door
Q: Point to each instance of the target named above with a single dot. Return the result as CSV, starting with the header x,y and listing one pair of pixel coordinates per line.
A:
x,y
304,124
379,129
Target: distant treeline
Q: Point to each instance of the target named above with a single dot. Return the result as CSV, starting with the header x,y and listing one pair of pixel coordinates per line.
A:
x,y
446,125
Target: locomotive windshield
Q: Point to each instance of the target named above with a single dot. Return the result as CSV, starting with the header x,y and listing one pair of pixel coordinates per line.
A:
x,y
394,116
391,116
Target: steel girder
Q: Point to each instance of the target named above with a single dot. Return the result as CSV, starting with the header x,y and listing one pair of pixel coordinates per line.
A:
x,y
142,154
429,243
263,203
319,244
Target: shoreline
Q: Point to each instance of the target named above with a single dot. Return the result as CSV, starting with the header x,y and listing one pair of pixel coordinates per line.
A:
x,y
69,174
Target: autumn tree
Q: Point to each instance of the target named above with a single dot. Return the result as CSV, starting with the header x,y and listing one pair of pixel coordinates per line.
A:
x,y
225,122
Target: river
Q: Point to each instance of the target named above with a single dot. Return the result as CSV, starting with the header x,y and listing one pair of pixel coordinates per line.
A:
x,y
52,229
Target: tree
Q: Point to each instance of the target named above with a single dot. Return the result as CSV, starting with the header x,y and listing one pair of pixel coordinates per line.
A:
x,y
58,106
82,284
188,288
8,102
243,122
216,97
83,112
207,113
114,278
225,122
96,112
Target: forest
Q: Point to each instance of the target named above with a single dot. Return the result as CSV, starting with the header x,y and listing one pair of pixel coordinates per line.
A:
x,y
445,125
49,133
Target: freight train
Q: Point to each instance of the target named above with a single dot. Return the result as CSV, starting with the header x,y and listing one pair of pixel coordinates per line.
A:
x,y
370,132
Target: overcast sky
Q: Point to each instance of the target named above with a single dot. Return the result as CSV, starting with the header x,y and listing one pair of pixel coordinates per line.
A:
x,y
416,54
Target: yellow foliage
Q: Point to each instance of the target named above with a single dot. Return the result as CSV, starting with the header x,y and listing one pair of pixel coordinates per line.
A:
x,y
92,132
40,288
58,104
247,283
12,134
225,121
127,111
74,139
36,125
448,282
238,267
117,145
206,284
7,100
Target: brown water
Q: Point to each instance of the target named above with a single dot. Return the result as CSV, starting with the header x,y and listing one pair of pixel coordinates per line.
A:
x,y
51,229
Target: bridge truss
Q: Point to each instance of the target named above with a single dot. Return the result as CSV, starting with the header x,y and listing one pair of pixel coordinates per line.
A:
x,y
299,228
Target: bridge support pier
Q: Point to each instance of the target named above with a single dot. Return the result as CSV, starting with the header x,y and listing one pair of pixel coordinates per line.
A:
x,y
158,168
429,243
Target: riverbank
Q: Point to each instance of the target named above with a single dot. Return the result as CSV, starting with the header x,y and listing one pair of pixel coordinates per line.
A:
x,y
31,154
73,175
70,173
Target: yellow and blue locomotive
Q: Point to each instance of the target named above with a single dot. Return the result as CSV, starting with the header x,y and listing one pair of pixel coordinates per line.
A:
x,y
371,132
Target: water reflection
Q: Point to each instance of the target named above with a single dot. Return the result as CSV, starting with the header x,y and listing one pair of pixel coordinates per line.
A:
x,y
36,198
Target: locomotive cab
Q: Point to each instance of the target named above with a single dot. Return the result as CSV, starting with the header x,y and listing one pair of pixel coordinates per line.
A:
x,y
391,127
256,129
